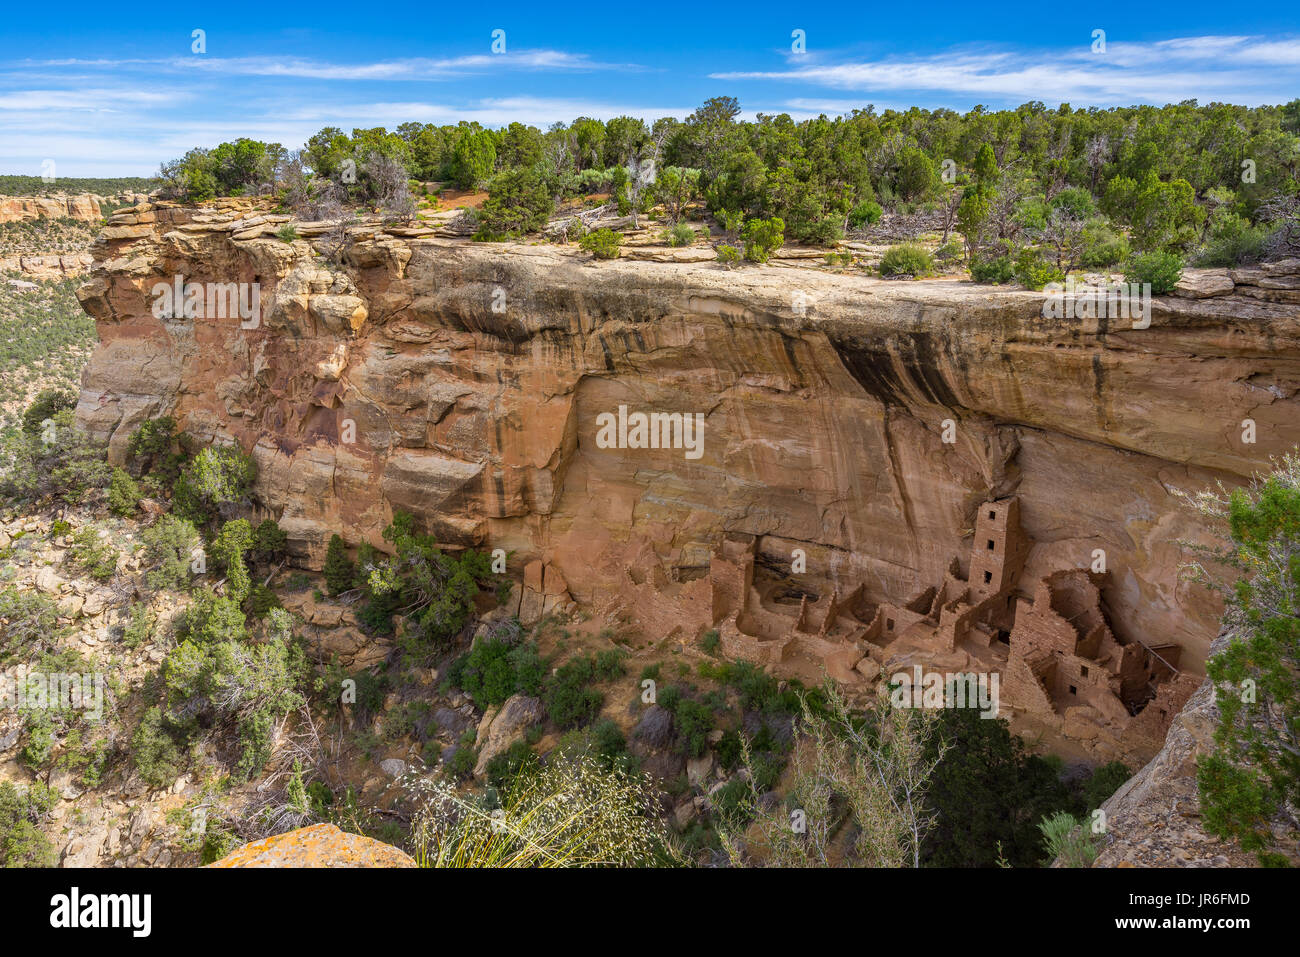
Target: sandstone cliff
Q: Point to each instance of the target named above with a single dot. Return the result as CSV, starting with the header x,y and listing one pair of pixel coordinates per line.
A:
x,y
464,381
84,206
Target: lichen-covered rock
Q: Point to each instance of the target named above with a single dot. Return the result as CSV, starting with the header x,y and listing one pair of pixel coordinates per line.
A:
x,y
321,845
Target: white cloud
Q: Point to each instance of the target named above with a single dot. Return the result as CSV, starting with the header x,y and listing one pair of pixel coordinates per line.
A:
x,y
1251,70
414,68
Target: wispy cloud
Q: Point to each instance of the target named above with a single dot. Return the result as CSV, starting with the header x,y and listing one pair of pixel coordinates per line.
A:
x,y
414,68
92,100
1244,69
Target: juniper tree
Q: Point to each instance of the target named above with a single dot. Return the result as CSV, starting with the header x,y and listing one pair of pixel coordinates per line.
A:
x,y
1253,774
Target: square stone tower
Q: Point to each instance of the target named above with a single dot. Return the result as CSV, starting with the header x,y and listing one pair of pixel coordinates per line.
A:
x,y
999,550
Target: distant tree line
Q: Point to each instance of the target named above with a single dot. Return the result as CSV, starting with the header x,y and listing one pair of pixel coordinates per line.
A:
x,y
1085,188
100,186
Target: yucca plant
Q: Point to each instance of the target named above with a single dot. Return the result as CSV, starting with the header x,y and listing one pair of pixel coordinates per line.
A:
x,y
1068,838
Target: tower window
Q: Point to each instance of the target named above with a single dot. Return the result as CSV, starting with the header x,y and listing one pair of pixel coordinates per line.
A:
x,y
993,515
988,577
991,545
1073,690
889,624
1083,671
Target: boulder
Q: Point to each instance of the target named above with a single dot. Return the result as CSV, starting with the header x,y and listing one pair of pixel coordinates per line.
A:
x,y
517,714
321,845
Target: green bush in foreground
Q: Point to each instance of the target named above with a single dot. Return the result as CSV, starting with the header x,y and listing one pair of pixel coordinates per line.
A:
x,y
1033,271
907,259
1161,269
602,243
996,270
762,238
729,256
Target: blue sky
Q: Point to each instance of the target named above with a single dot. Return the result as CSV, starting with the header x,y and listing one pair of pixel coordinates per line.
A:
x,y
111,90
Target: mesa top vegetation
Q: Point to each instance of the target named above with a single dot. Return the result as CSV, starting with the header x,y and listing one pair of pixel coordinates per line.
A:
x,y
1219,183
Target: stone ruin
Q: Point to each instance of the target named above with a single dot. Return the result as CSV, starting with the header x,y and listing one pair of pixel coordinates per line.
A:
x,y
1064,674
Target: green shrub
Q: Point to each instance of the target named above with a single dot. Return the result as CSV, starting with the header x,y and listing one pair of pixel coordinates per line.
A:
x,y
502,769
123,494
865,214
602,243
1033,271
269,542
608,664
569,698
139,628
217,476
729,256
1103,782
244,690
711,641
490,672
61,462
30,623
732,220
22,842
170,546
679,235
462,761
261,600
1068,839
950,251
151,451
340,572
729,749
212,618
609,745
762,238
1232,241
93,554
38,741
1161,269
906,259
518,203
44,407
1102,246
155,755
287,233
693,722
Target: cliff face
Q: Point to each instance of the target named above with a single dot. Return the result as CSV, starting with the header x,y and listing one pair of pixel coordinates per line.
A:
x,y
83,206
464,382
